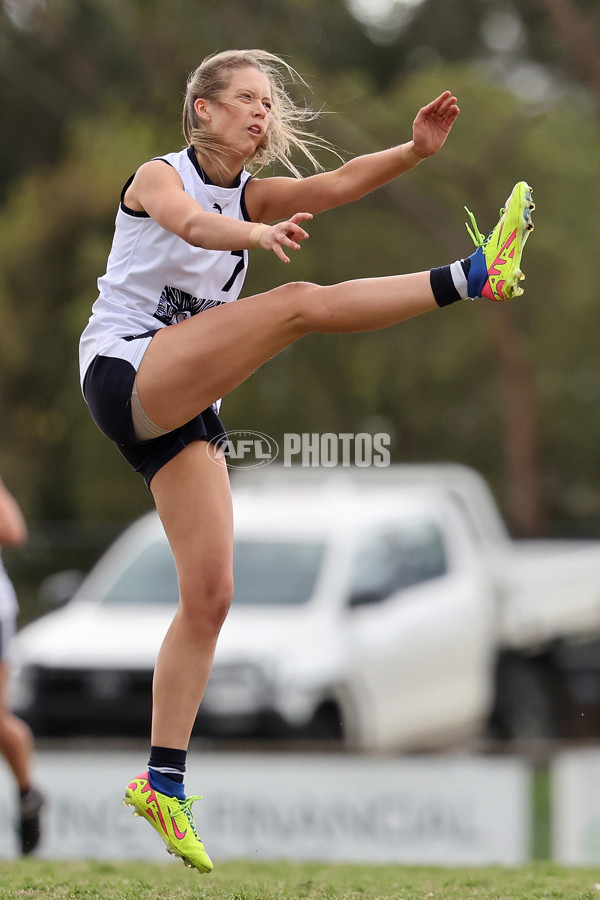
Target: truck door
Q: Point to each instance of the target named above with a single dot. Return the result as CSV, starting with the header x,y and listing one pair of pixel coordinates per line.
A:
x,y
419,636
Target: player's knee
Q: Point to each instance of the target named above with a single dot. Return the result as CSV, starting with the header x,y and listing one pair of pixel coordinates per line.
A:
x,y
6,726
301,298
313,306
205,602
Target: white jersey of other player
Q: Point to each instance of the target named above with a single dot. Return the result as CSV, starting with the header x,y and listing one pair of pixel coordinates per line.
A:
x,y
8,598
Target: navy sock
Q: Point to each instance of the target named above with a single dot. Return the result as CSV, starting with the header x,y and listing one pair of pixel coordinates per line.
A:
x,y
166,768
448,283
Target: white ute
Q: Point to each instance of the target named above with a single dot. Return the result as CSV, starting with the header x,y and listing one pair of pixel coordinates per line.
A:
x,y
387,608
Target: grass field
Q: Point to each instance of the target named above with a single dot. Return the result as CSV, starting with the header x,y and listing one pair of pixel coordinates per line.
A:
x,y
34,879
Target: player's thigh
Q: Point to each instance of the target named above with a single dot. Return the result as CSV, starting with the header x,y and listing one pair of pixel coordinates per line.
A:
x,y
231,339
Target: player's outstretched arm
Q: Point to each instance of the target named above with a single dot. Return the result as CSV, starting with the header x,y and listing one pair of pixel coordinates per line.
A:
x,y
270,199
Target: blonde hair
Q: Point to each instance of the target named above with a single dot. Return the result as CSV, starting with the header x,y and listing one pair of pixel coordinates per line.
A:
x,y
284,133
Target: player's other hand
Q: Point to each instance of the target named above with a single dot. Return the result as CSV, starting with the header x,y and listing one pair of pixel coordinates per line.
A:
x,y
433,123
285,234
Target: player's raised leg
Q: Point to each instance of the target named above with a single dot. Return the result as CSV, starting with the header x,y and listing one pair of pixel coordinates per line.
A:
x,y
190,365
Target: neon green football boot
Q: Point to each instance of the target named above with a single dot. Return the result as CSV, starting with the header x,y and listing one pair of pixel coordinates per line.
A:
x,y
495,270
172,819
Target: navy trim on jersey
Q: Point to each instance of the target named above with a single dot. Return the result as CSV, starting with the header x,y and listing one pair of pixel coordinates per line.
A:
x,y
204,175
139,214
208,180
243,206
137,337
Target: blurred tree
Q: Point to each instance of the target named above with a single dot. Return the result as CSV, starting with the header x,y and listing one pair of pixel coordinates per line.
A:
x,y
578,31
55,229
68,59
533,45
92,88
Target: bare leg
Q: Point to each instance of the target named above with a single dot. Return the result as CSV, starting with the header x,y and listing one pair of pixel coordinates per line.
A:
x,y
16,741
190,365
193,499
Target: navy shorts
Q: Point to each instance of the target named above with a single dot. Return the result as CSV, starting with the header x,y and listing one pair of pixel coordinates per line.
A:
x,y
107,388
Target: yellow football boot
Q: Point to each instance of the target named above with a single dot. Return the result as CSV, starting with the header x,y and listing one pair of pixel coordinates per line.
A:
x,y
172,819
495,270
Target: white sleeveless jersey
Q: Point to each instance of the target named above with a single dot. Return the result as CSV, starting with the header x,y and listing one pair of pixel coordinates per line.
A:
x,y
154,278
8,598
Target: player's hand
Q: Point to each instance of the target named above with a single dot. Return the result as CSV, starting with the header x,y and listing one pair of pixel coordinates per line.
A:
x,y
432,124
284,234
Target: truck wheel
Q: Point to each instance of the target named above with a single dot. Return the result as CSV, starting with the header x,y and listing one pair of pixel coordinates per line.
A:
x,y
524,707
326,724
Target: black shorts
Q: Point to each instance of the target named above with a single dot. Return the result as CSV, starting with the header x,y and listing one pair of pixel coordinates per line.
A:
x,y
107,390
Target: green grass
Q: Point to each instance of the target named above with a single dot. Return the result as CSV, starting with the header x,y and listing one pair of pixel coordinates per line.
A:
x,y
34,879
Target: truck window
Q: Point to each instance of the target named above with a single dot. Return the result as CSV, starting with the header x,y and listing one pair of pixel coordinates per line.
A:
x,y
265,572
150,579
396,559
281,573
